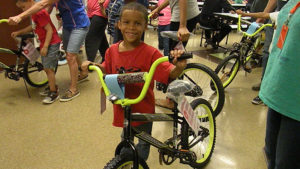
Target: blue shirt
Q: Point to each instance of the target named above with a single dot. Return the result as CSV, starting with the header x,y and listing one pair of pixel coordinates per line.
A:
x,y
73,14
113,14
280,89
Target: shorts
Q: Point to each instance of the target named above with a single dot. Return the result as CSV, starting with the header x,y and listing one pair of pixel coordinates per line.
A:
x,y
50,61
73,39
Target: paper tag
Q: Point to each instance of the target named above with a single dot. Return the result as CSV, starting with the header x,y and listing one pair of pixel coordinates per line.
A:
x,y
282,36
103,101
188,113
30,52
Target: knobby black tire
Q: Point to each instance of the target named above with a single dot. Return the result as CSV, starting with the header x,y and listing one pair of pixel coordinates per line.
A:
x,y
122,160
37,67
214,85
232,59
210,119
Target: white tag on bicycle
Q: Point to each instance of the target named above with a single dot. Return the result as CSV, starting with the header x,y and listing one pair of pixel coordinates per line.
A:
x,y
30,52
190,116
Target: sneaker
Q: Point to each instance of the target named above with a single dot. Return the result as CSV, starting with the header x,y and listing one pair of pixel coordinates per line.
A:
x,y
62,62
257,101
256,87
69,95
45,92
52,96
82,78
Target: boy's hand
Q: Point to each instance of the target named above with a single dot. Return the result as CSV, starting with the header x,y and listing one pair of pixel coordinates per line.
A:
x,y
44,51
240,12
154,13
15,34
176,54
101,2
15,20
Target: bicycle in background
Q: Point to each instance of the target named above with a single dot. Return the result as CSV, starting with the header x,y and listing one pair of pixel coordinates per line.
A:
x,y
31,71
241,54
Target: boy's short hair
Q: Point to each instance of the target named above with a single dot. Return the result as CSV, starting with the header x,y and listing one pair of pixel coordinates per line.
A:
x,y
136,7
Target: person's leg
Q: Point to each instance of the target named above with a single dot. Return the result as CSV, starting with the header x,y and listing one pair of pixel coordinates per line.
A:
x,y
160,28
224,31
93,37
288,144
103,45
50,63
74,40
166,41
272,130
143,147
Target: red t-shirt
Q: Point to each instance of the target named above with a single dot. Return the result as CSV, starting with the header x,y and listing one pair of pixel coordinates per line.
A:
x,y
40,20
138,60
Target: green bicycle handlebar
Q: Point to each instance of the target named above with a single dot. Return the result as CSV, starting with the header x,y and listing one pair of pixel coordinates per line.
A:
x,y
253,34
147,76
3,21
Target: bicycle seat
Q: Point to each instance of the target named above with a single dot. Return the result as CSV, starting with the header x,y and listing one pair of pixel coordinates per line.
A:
x,y
26,36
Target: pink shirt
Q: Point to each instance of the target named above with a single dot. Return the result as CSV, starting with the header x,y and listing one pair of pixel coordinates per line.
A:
x,y
166,18
93,8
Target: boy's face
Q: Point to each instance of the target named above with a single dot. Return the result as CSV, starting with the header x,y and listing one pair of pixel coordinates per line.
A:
x,y
132,25
24,5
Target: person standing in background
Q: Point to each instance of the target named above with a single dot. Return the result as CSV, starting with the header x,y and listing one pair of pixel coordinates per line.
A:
x,y
75,27
271,6
96,39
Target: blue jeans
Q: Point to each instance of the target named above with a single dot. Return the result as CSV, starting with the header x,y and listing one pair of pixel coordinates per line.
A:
x,y
282,142
142,147
265,54
163,43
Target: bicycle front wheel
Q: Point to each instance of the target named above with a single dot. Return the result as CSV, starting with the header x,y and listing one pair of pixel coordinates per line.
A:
x,y
123,162
34,74
208,85
228,69
202,144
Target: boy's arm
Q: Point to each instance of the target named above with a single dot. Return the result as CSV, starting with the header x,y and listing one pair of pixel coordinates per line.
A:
x,y
49,33
271,5
264,15
35,8
179,65
22,31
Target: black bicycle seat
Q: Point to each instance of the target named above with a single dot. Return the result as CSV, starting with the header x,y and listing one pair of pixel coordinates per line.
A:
x,y
26,36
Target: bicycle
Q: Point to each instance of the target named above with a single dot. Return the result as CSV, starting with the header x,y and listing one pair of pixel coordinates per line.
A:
x,y
32,73
240,54
187,142
207,84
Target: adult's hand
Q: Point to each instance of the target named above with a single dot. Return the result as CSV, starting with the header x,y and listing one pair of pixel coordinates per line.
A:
x,y
183,34
15,20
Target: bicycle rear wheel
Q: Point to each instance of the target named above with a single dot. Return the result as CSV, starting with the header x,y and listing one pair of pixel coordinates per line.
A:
x,y
34,74
228,69
202,144
124,161
208,85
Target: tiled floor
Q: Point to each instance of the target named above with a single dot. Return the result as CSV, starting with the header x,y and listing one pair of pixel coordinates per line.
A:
x,y
74,135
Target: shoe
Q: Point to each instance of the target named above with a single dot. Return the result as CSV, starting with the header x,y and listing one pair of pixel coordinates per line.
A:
x,y
82,78
45,92
257,101
256,87
62,62
69,95
52,96
211,43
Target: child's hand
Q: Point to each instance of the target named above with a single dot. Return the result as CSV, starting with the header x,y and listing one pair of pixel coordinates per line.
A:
x,y
154,13
176,54
15,34
44,51
240,12
101,2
